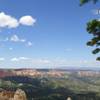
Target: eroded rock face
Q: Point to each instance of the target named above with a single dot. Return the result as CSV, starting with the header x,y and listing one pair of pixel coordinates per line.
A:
x,y
9,95
69,98
19,95
6,95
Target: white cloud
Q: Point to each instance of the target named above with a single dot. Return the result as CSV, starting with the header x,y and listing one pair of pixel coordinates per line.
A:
x,y
40,61
2,59
23,58
89,63
8,21
14,59
11,22
29,44
15,38
52,63
10,48
22,40
31,60
27,20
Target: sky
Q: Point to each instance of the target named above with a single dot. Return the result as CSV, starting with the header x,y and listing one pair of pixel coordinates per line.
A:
x,y
45,34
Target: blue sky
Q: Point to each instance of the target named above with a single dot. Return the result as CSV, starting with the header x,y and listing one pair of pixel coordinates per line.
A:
x,y
45,33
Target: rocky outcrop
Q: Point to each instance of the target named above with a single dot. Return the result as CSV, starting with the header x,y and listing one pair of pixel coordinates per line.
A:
x,y
19,95
9,95
69,98
5,95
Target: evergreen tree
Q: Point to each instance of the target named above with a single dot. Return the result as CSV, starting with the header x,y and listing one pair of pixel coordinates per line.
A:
x,y
93,27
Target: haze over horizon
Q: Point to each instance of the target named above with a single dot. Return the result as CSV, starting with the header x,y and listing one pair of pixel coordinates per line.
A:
x,y
45,33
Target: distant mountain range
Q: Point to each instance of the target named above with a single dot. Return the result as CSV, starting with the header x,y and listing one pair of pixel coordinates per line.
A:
x,y
56,72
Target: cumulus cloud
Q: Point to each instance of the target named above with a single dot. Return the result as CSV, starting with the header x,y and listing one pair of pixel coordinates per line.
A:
x,y
8,21
27,20
11,22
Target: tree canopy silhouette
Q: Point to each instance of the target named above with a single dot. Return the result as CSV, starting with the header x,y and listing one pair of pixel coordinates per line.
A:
x,y
93,27
86,1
